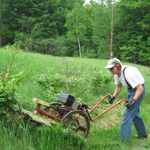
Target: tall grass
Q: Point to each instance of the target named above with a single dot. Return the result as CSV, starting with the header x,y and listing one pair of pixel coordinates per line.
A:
x,y
28,136
25,136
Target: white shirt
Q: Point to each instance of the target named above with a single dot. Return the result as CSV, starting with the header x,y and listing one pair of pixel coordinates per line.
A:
x,y
132,75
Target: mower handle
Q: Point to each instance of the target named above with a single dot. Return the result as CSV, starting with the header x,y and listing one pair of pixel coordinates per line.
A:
x,y
99,102
107,109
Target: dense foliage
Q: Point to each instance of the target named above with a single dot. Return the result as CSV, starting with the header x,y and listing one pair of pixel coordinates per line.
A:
x,y
8,87
52,83
9,82
132,30
70,28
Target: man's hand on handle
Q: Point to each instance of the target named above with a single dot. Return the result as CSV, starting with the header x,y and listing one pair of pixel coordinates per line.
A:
x,y
111,99
129,104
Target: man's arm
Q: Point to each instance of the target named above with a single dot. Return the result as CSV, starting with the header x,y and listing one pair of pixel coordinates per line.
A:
x,y
138,92
117,90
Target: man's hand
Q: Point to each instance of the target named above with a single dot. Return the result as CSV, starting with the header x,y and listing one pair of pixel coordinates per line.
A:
x,y
129,104
111,99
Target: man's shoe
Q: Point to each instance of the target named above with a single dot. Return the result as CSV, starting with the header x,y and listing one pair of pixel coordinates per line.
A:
x,y
144,136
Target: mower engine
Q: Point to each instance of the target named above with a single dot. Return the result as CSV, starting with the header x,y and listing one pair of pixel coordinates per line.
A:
x,y
69,100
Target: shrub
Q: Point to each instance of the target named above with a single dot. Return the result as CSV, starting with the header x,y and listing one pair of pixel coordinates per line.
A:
x,y
99,80
52,83
8,86
9,81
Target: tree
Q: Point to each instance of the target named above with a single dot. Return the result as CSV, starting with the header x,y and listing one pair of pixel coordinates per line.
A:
x,y
37,18
12,11
102,28
131,29
77,23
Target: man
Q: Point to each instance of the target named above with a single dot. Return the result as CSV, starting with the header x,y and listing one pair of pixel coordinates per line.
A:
x,y
131,78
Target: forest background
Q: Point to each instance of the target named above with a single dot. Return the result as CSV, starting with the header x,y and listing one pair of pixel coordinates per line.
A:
x,y
71,28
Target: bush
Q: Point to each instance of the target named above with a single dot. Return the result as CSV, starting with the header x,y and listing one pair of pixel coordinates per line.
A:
x,y
9,81
8,86
99,79
52,83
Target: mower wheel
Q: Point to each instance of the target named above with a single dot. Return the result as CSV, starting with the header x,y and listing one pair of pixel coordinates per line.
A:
x,y
77,121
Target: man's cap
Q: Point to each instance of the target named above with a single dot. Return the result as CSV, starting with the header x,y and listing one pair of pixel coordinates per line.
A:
x,y
112,62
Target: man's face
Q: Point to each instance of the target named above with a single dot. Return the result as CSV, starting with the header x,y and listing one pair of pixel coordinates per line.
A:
x,y
113,70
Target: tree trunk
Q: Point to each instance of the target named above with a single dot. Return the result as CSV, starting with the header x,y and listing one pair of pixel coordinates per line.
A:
x,y
79,47
78,37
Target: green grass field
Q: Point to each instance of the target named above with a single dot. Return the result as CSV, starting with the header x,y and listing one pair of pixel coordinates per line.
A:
x,y
104,132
